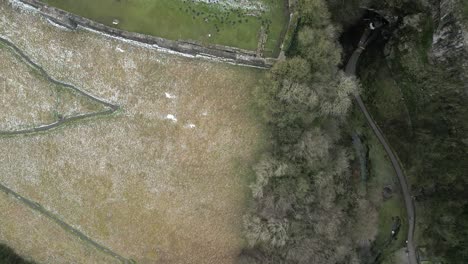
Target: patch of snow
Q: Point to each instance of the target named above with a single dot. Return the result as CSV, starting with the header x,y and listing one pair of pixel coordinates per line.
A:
x,y
205,113
191,125
26,7
129,63
248,5
171,117
119,49
169,51
170,96
57,25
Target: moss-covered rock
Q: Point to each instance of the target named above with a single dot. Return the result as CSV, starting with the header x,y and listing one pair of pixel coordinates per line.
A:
x,y
416,88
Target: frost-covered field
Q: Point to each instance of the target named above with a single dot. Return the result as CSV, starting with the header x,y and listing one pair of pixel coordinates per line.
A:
x,y
162,181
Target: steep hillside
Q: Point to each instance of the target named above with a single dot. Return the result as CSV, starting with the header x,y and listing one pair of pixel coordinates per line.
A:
x,y
416,86
8,256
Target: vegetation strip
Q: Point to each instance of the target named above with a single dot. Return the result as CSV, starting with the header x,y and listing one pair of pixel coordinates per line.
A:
x,y
303,209
8,255
39,208
62,121
206,22
351,70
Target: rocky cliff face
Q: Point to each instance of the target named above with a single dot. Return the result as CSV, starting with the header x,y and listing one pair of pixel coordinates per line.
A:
x,y
415,85
450,39
417,90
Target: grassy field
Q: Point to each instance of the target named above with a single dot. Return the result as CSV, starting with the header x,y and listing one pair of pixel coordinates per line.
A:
x,y
33,236
162,181
237,26
29,99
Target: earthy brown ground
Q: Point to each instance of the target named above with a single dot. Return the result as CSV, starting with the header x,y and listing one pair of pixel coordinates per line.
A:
x,y
148,187
29,99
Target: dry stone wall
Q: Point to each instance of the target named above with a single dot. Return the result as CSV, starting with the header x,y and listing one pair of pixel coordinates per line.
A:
x,y
193,49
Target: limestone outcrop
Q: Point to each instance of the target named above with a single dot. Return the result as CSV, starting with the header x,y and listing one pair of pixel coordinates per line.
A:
x,y
450,38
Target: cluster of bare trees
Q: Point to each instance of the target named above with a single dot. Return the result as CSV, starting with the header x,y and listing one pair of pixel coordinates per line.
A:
x,y
302,198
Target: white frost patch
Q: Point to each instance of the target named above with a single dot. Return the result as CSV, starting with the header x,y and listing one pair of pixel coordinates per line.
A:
x,y
205,113
129,63
169,51
171,117
190,125
119,49
237,4
170,96
57,25
26,7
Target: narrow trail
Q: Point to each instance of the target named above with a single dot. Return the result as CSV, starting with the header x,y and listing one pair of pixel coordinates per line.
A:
x,y
409,203
34,205
60,122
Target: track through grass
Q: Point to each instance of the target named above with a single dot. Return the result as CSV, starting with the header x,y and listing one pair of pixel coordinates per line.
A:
x,y
33,101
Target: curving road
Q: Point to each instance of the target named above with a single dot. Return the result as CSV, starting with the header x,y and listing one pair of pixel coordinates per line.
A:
x,y
409,204
34,205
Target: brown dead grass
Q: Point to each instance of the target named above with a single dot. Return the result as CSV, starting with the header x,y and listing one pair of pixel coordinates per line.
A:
x,y
71,103
149,188
33,235
18,84
29,99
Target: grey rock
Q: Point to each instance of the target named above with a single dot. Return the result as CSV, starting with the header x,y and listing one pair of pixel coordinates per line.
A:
x,y
450,39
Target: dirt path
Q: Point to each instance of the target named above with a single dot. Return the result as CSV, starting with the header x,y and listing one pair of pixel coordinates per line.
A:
x,y
409,204
33,205
27,60
39,208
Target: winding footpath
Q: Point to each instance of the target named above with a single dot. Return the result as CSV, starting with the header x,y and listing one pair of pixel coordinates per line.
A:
x,y
190,49
34,205
409,203
111,107
39,208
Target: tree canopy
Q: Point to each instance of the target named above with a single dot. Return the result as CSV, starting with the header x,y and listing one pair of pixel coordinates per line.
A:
x,y
301,199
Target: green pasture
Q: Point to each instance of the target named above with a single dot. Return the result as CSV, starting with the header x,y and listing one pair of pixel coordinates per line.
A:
x,y
187,20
